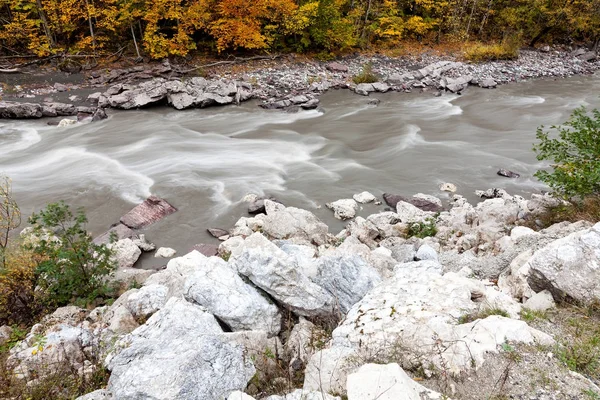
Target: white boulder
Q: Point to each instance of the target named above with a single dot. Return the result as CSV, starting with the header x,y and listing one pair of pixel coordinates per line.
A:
x,y
178,354
364,197
165,252
221,291
343,209
386,382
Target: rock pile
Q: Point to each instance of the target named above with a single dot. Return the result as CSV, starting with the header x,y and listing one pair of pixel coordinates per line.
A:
x,y
338,309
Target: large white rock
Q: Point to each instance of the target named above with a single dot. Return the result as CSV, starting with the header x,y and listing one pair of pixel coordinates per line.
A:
x,y
218,288
409,213
277,273
343,209
347,277
165,252
299,347
296,224
59,345
238,395
178,354
177,271
569,267
100,394
146,301
364,197
300,394
541,301
414,314
126,253
386,382
328,369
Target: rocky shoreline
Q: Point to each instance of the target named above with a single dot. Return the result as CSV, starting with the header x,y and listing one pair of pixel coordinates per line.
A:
x,y
429,300
291,84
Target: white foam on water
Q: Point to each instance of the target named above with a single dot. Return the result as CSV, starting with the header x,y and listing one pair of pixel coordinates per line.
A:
x,y
519,101
76,167
431,108
25,138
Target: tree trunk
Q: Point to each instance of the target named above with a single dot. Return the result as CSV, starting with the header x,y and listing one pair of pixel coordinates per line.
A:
x,y
44,22
137,50
540,35
471,17
87,7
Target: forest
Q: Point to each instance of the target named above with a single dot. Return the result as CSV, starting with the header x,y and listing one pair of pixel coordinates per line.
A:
x,y
162,28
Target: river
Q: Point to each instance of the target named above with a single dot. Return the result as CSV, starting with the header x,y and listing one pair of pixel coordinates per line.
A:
x,y
204,161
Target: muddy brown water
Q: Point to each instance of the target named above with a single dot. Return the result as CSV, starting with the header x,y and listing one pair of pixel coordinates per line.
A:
x,y
205,161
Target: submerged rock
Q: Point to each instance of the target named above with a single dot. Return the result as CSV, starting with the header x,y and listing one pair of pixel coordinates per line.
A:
x,y
153,209
507,173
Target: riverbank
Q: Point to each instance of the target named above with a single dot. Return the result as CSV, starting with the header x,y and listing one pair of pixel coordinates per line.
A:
x,y
462,302
279,82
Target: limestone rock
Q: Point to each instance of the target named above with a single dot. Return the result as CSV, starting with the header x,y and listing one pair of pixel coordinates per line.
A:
x,y
195,362
418,307
126,253
100,394
328,369
295,224
219,289
165,252
300,394
275,272
343,209
542,301
386,382
568,267
347,278
147,300
364,197
177,271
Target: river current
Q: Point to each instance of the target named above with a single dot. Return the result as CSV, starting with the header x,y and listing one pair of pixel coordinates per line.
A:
x,y
204,161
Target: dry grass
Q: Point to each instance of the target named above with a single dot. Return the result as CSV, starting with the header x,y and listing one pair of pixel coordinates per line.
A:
x,y
586,210
479,52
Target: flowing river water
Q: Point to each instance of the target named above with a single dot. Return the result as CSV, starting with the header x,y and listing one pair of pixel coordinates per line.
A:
x,y
204,161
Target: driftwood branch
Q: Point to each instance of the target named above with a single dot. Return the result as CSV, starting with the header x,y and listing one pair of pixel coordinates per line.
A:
x,y
236,60
10,71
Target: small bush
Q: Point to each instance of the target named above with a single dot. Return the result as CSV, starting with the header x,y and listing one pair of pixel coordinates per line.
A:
x,y
366,75
587,209
73,268
507,50
531,315
59,381
482,314
20,302
422,229
575,155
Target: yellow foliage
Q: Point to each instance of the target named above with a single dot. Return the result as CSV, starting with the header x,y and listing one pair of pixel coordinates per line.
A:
x,y
18,304
491,52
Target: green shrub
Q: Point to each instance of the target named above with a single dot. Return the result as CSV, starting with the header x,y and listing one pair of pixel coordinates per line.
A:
x,y
575,155
422,229
73,268
366,75
482,314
